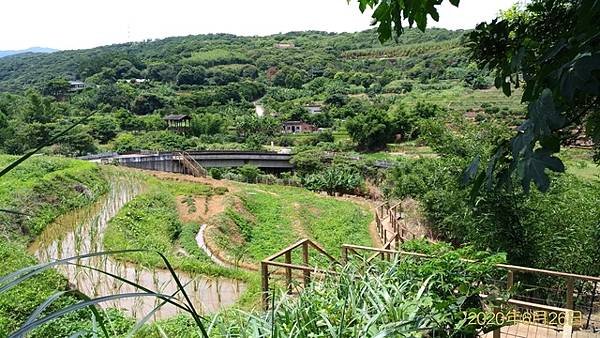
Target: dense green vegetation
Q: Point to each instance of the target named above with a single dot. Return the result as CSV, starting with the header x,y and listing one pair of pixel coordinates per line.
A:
x,y
214,78
557,229
402,297
42,189
37,192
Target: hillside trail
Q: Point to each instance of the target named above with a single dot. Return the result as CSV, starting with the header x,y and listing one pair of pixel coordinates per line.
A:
x,y
218,206
412,218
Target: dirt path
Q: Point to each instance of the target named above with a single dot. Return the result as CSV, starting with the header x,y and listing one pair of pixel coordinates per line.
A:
x,y
200,208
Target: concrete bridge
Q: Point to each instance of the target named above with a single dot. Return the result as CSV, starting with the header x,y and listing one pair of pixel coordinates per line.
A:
x,y
172,161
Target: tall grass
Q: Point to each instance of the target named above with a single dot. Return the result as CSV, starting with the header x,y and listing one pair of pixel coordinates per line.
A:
x,y
406,297
36,320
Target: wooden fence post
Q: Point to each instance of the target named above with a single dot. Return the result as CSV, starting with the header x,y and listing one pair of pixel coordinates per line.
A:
x,y
264,268
570,289
496,332
305,260
510,279
344,254
288,272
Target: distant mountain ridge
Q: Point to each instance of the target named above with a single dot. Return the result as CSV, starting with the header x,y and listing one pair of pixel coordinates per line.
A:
x,y
4,53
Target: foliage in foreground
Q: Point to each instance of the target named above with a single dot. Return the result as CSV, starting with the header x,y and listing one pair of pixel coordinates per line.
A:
x,y
42,189
559,229
405,297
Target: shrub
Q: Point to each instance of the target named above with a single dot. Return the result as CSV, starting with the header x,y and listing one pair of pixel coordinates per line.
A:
x,y
337,179
249,173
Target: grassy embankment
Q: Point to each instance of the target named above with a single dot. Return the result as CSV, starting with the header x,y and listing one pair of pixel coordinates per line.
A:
x,y
264,219
579,163
258,220
152,221
43,188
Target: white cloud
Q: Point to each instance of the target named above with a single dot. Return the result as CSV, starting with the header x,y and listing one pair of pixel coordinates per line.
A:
x,y
71,24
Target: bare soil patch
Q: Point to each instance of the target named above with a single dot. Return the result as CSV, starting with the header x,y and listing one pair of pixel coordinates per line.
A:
x,y
200,208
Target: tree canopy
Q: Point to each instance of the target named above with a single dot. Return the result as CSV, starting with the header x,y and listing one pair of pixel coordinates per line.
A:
x,y
549,47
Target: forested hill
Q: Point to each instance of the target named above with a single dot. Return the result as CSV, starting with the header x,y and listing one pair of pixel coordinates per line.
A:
x,y
216,79
312,52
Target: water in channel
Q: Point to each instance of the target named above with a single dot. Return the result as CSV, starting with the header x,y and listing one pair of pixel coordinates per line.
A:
x,y
81,232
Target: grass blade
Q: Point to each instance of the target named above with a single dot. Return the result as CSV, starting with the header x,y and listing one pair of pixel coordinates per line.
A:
x,y
38,311
15,278
147,317
126,281
193,312
26,328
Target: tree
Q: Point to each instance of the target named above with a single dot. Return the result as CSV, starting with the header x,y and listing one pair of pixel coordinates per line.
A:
x,y
335,179
191,75
371,130
290,77
161,71
554,48
147,103
207,124
247,125
77,143
57,87
113,95
551,46
126,70
390,15
104,128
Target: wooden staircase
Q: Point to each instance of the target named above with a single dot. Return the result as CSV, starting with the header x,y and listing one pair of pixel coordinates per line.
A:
x,y
190,165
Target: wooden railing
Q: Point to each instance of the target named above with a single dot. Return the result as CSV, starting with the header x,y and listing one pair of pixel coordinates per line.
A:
x,y
191,165
391,215
304,268
518,301
303,271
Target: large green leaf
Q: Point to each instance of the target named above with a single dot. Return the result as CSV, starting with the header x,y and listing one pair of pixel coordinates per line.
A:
x,y
544,115
534,169
389,14
581,75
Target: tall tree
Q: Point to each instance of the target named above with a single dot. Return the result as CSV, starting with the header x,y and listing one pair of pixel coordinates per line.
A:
x,y
552,48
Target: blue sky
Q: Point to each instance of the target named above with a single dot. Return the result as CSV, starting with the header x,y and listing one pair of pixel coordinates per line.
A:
x,y
74,24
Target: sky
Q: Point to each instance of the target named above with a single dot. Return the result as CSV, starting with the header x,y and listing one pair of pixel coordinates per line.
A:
x,y
77,24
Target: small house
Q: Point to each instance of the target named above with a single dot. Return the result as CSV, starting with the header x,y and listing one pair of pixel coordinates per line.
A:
x,y
178,123
293,127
